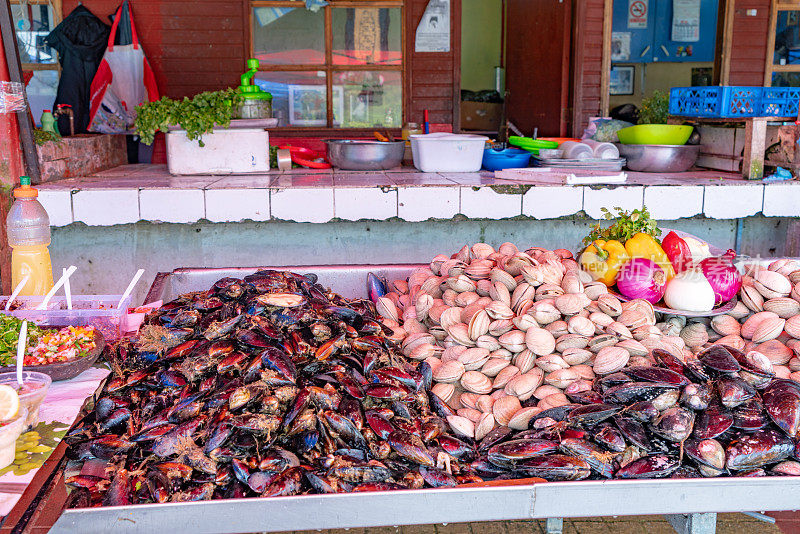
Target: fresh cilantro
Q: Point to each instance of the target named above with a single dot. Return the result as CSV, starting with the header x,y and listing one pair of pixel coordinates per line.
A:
x,y
626,225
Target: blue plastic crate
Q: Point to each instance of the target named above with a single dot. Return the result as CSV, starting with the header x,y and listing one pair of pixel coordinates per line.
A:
x,y
779,101
715,101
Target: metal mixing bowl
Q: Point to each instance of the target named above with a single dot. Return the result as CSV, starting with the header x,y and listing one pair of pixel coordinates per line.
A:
x,y
659,158
364,155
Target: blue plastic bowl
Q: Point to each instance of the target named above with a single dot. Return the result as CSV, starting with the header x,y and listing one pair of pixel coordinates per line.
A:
x,y
510,158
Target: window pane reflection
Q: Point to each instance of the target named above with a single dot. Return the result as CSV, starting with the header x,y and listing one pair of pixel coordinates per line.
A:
x,y
298,98
369,99
366,36
33,23
288,36
787,38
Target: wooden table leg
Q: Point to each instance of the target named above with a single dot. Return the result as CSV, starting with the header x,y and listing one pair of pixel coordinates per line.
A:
x,y
755,140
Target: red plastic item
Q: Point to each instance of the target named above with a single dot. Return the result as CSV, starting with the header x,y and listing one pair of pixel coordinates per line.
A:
x,y
306,157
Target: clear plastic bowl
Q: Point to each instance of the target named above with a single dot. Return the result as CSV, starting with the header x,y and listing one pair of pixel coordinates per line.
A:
x,y
9,432
30,400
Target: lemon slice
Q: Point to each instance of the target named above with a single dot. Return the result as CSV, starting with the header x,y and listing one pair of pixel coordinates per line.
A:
x,y
9,403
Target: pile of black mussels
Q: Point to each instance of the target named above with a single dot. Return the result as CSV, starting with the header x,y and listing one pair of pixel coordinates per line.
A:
x,y
269,385
723,413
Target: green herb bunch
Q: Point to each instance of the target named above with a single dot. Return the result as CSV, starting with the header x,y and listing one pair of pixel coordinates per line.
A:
x,y
197,115
41,137
654,109
624,227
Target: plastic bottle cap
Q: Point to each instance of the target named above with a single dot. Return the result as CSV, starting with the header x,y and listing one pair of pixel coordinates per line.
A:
x,y
25,190
46,111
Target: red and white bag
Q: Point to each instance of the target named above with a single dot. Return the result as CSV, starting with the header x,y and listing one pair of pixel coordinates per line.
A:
x,y
123,80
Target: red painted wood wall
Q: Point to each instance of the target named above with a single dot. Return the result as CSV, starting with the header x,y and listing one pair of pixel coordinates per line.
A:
x,y
749,45
192,45
587,44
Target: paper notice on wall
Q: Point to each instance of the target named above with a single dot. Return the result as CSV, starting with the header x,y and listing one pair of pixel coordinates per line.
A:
x,y
686,20
433,31
637,14
620,46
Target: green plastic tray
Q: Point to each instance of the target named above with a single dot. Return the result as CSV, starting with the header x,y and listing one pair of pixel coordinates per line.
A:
x,y
531,145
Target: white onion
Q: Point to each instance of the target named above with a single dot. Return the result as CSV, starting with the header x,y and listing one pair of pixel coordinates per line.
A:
x,y
689,291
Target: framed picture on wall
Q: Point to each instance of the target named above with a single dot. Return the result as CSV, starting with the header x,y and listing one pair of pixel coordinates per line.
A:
x,y
621,80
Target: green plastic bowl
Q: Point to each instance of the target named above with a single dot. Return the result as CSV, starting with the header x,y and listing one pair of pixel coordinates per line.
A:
x,y
655,134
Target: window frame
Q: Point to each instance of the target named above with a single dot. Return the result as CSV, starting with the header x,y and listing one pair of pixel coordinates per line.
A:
x,y
771,68
329,67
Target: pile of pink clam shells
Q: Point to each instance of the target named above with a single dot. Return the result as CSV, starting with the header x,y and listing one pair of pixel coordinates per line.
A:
x,y
765,320
509,333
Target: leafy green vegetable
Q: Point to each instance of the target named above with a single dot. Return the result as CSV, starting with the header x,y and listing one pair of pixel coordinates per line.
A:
x,y
197,115
654,109
626,226
41,137
9,336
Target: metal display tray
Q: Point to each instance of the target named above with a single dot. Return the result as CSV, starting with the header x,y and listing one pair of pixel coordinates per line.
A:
x,y
700,498
347,280
452,505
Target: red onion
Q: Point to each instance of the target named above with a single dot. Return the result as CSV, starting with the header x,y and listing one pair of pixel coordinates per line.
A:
x,y
725,280
641,278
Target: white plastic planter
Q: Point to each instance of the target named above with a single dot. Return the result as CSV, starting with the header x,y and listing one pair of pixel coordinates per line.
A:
x,y
446,152
226,151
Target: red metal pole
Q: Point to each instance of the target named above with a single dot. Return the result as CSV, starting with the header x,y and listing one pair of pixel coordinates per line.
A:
x,y
11,166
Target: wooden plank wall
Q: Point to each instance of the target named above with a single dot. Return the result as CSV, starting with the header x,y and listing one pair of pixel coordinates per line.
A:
x,y
435,78
192,45
587,33
749,45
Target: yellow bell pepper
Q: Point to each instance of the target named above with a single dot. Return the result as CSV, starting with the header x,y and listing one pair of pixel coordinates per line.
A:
x,y
603,260
643,245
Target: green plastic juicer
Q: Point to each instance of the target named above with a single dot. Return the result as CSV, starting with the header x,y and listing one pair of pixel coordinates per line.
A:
x,y
255,102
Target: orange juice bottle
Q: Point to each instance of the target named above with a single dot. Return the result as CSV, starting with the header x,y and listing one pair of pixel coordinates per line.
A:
x,y
28,228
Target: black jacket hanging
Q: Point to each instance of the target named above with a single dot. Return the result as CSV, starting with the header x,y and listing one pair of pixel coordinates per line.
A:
x,y
80,40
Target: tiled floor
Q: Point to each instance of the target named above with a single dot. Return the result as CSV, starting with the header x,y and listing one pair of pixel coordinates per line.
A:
x,y
726,524
148,192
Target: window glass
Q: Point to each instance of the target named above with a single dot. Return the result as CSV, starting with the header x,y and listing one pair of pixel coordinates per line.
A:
x,y
33,23
298,98
366,36
787,38
288,36
41,91
367,99
786,79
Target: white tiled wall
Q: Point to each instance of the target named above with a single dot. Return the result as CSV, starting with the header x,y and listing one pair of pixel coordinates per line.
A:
x,y
234,205
105,207
172,205
354,203
422,203
97,206
485,203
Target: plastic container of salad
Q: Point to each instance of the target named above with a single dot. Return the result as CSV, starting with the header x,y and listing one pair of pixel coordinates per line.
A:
x,y
99,311
9,432
31,394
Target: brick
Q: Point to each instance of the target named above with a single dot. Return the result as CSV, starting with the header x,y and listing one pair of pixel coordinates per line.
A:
x,y
658,527
525,527
489,527
418,529
453,528
383,530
